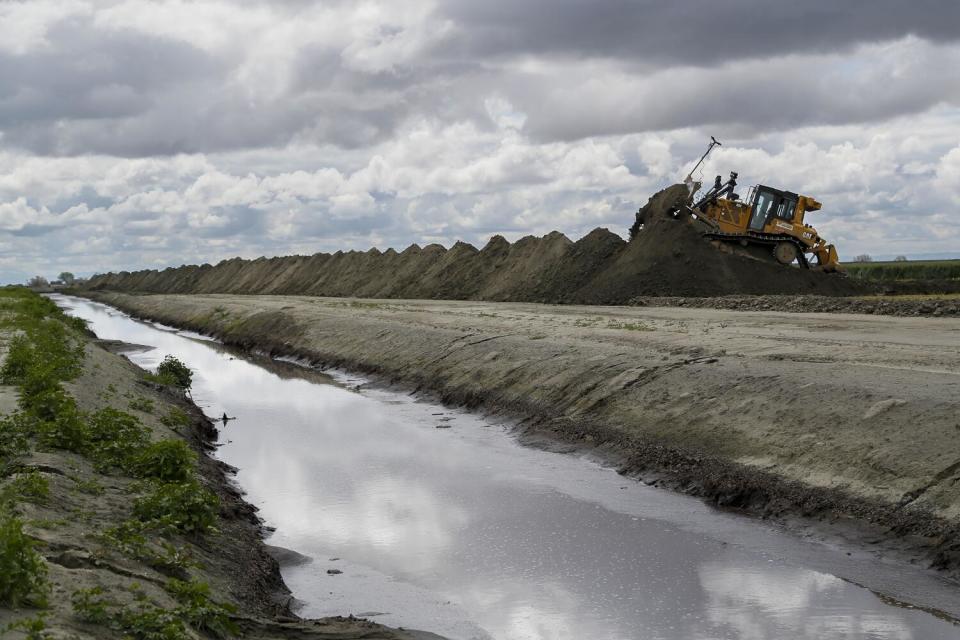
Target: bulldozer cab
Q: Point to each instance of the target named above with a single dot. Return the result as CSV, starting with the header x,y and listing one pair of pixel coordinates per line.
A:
x,y
769,203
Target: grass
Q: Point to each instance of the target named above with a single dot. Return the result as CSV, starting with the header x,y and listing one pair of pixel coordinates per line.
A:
x,y
909,270
919,297
629,326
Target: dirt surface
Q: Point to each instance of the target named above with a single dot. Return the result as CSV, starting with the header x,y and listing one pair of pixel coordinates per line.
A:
x,y
667,257
936,306
84,503
842,418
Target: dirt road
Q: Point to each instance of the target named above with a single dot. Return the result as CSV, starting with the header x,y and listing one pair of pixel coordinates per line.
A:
x,y
779,413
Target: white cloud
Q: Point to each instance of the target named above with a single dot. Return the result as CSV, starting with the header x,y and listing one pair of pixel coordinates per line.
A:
x,y
948,175
24,26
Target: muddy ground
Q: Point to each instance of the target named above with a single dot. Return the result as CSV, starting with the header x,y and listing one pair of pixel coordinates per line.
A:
x,y
668,256
852,421
83,504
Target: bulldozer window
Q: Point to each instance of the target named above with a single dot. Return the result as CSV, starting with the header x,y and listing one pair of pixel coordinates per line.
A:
x,y
786,208
761,209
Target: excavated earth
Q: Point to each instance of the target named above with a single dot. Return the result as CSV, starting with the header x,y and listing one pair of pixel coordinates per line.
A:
x,y
849,422
668,257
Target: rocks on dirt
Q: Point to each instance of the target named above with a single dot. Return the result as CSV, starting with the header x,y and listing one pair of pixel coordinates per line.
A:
x,y
810,304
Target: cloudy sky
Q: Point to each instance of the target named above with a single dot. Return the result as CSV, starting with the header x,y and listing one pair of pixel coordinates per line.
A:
x,y
149,133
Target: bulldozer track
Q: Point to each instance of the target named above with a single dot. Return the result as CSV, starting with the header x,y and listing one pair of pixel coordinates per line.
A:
x,y
761,238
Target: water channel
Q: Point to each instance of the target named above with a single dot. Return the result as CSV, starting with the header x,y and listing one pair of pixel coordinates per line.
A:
x,y
439,520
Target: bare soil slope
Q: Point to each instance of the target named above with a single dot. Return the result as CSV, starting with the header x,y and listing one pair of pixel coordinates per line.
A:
x,y
668,257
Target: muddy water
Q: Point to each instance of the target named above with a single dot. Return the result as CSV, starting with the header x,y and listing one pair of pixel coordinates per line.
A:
x,y
438,520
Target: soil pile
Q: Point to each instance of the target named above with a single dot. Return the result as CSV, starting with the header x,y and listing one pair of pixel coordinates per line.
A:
x,y
667,257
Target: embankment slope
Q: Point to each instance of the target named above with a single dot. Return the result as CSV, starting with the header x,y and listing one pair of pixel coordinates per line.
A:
x,y
78,516
668,257
837,416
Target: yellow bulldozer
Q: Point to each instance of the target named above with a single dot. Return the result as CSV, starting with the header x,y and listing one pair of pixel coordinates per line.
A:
x,y
769,224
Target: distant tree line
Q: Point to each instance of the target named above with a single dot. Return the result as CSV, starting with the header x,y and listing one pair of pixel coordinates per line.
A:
x,y
866,257
66,279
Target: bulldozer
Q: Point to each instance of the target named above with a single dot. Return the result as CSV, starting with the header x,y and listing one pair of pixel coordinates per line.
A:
x,y
768,225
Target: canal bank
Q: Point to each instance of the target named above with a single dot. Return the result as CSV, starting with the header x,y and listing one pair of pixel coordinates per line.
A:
x,y
116,523
424,513
849,421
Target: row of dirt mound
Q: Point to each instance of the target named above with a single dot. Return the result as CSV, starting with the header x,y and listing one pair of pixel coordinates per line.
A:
x,y
667,257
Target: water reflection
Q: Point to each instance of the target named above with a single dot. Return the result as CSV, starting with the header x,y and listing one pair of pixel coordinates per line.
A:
x,y
460,531
754,604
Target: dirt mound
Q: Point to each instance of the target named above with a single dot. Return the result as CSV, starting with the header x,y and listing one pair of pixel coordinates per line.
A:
x,y
668,257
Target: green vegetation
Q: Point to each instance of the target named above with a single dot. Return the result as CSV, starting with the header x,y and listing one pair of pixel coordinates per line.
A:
x,y
141,404
200,611
129,538
115,438
174,373
47,350
34,628
23,572
13,438
904,270
175,418
167,460
184,507
29,487
629,326
144,620
91,487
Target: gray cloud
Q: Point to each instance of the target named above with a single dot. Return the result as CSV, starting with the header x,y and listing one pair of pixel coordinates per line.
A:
x,y
121,91
697,32
146,133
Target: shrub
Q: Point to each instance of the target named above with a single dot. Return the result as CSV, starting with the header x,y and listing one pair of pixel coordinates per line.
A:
x,y
145,622
175,373
32,628
142,404
115,438
13,436
181,506
31,487
66,427
167,460
128,538
19,358
149,622
23,572
200,611
92,605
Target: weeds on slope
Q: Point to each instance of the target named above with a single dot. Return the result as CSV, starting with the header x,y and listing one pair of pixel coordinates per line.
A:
x,y
143,620
47,349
